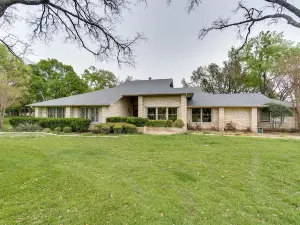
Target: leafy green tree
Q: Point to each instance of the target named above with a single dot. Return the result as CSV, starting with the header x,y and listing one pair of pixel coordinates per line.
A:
x,y
278,112
99,79
226,79
13,81
52,79
261,55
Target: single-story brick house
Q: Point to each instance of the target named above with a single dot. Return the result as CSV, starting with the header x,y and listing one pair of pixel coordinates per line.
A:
x,y
157,99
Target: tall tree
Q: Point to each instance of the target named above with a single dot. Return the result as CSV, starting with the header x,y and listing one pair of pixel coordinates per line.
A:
x,y
289,73
52,79
13,81
230,78
261,55
99,79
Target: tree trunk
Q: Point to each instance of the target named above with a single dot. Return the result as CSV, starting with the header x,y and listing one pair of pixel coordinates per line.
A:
x,y
2,111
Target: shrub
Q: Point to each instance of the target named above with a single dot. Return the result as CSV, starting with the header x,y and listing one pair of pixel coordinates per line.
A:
x,y
118,128
178,123
46,130
231,126
57,129
28,127
116,119
130,129
137,121
105,129
16,121
77,124
95,130
169,123
157,123
67,130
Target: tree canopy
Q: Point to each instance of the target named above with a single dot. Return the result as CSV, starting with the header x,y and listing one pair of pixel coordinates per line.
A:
x,y
99,79
52,79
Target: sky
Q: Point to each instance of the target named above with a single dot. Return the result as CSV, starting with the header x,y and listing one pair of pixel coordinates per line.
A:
x,y
172,49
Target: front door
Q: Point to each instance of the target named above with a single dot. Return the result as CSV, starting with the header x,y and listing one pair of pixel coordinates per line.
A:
x,y
135,110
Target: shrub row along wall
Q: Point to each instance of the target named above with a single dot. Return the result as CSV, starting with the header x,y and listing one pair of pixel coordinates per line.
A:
x,y
117,128
141,122
137,121
77,124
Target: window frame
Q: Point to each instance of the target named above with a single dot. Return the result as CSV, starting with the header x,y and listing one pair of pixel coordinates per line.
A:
x,y
55,112
157,114
200,115
91,113
260,116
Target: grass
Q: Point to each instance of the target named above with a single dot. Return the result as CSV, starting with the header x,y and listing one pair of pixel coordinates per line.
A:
x,y
6,124
179,179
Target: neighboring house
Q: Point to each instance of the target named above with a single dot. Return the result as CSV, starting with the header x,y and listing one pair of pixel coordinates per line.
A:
x,y
159,100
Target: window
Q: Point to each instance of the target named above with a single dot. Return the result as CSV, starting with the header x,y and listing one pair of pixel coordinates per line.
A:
x,y
264,115
201,115
172,114
152,113
162,114
196,115
90,113
54,112
206,115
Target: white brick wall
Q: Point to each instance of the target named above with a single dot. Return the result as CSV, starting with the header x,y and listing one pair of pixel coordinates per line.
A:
x,y
240,116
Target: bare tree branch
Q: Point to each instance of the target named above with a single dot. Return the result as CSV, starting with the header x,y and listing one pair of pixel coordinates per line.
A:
x,y
89,23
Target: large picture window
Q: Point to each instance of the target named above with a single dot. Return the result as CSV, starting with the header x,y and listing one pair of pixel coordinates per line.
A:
x,y
56,112
162,113
90,113
201,115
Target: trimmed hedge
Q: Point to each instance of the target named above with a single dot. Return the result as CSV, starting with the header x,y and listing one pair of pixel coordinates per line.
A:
x,y
77,124
178,123
116,119
95,130
57,129
129,129
117,128
137,121
159,123
105,129
67,129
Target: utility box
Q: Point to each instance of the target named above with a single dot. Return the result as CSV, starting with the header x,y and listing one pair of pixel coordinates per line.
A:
x,y
260,130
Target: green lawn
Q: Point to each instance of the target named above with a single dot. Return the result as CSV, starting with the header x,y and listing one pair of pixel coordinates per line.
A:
x,y
180,179
6,122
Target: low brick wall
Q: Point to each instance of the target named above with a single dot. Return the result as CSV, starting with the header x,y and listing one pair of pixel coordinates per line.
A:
x,y
163,130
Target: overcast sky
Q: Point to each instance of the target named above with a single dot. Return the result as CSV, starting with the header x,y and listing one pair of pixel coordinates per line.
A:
x,y
172,49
